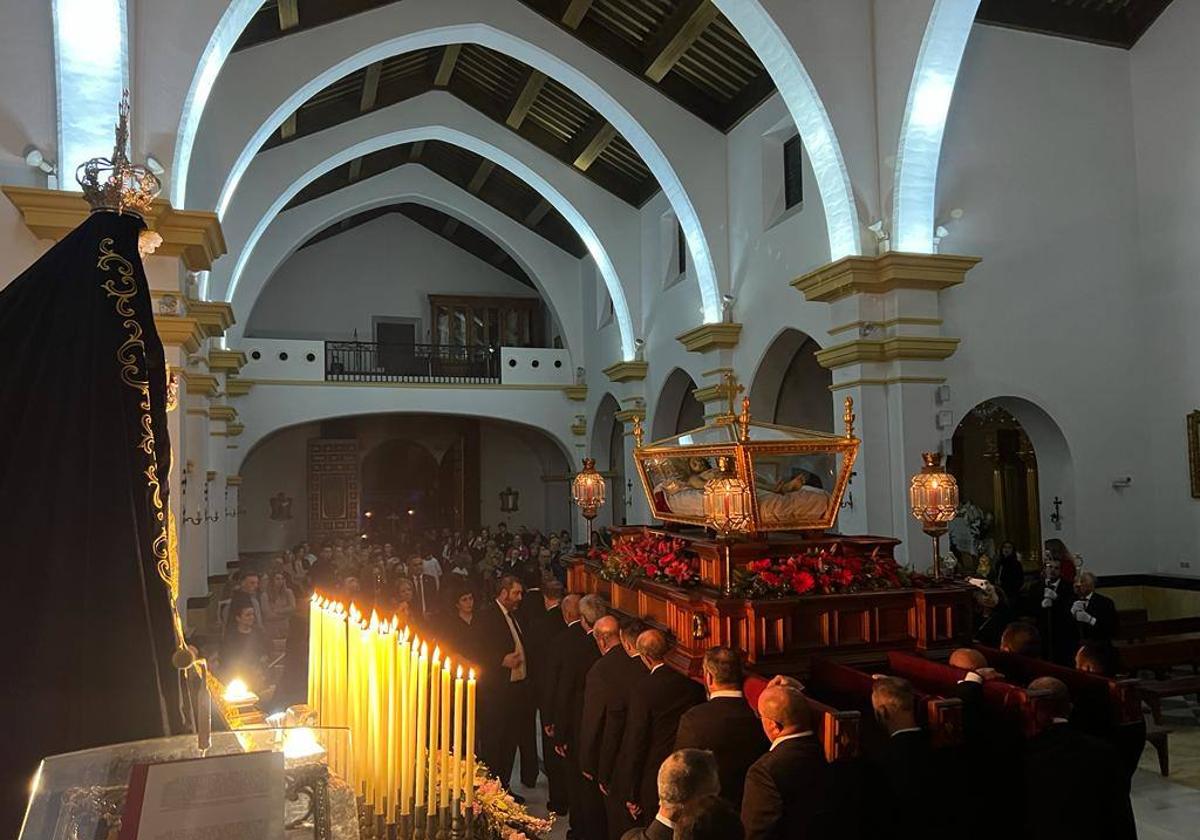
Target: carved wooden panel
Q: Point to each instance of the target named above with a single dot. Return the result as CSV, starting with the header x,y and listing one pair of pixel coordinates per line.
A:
x,y
333,489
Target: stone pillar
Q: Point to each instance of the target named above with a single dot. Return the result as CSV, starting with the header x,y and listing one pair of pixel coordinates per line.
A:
x,y
887,354
715,343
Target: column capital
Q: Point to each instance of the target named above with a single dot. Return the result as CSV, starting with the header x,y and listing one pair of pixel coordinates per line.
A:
x,y
192,235
887,272
701,339
627,371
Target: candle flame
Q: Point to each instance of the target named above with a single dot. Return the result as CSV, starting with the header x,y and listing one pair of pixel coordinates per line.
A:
x,y
314,599
301,743
374,620
437,655
460,673
424,650
238,692
471,674
395,622
446,665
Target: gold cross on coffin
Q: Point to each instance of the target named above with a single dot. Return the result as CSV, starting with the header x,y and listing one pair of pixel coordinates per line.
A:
x,y
732,389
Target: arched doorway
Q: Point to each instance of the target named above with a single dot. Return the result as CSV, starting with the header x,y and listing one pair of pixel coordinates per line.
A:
x,y
608,448
790,387
1012,465
400,488
678,410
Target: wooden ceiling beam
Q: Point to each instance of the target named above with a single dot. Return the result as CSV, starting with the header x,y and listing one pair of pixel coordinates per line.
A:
x,y
355,169
482,173
417,149
446,66
538,213
289,14
525,99
450,227
679,31
288,130
575,13
370,88
597,143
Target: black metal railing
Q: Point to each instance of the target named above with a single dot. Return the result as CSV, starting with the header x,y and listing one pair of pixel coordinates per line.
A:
x,y
369,361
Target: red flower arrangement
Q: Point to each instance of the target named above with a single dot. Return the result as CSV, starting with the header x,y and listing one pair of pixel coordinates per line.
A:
x,y
824,571
660,558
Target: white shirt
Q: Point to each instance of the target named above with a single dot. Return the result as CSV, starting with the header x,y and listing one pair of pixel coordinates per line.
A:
x,y
783,738
432,568
908,729
668,823
516,674
656,667
717,694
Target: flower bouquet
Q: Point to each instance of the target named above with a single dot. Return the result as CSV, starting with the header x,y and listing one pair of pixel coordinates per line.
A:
x,y
823,571
660,558
497,814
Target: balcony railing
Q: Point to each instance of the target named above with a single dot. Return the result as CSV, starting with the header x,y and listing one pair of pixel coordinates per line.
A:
x,y
369,361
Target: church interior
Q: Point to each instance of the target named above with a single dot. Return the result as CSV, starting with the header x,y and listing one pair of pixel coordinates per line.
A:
x,y
600,419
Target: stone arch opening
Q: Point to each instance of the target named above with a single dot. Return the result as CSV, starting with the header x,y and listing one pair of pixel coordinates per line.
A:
x,y
677,410
790,387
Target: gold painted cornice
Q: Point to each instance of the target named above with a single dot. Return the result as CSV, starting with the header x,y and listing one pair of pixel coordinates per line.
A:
x,y
180,331
627,371
204,384
628,415
231,361
233,480
884,273
222,412
192,235
234,429
215,316
578,393
711,337
235,387
579,427
711,393
926,348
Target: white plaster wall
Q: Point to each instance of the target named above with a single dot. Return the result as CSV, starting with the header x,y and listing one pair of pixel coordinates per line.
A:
x,y
279,465
387,267
1166,98
1039,153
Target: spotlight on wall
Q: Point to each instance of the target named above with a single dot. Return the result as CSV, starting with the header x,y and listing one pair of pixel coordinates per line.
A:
x,y
36,160
727,302
154,166
639,345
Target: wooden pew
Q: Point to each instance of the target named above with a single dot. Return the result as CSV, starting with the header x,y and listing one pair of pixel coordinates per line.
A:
x,y
1108,708
1014,707
838,729
1139,627
845,686
1160,653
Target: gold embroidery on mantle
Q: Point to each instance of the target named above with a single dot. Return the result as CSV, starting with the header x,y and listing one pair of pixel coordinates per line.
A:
x,y
131,356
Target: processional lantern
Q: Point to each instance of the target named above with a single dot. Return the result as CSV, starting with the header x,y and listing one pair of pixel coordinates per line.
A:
x,y
933,496
587,491
728,507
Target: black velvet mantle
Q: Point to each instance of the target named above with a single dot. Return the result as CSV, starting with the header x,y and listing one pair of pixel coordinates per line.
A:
x,y
85,618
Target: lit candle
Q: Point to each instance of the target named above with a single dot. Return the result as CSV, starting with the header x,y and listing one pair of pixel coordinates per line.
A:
x,y
340,712
373,710
354,692
470,741
422,711
314,651
434,708
364,709
445,775
387,700
457,767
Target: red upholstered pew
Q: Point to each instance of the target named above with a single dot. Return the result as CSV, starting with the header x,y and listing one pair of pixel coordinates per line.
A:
x,y
838,730
843,685
1010,705
1107,708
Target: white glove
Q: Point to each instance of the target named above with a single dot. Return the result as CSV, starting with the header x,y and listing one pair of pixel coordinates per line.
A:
x,y
1084,617
1078,607
1046,603
1049,594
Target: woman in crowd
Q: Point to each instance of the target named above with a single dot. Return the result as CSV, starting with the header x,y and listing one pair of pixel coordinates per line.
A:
x,y
1008,574
458,631
244,649
279,603
1057,550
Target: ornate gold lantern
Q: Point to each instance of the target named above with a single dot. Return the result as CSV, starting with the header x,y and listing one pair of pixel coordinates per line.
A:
x,y
728,507
587,491
933,496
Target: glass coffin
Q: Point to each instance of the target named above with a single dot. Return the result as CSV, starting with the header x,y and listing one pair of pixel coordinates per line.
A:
x,y
799,476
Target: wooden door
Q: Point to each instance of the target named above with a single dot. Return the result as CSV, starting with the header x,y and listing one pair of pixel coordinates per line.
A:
x,y
333,489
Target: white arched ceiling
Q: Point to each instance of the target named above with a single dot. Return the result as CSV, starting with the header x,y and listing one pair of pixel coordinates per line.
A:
x,y
800,95
279,174
553,271
260,101
924,123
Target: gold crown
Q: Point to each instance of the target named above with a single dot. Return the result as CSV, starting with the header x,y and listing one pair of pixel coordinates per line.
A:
x,y
117,184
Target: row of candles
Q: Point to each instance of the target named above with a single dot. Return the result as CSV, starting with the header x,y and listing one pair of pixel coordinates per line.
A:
x,y
411,715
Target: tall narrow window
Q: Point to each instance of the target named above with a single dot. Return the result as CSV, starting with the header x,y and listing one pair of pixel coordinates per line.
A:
x,y
680,249
793,173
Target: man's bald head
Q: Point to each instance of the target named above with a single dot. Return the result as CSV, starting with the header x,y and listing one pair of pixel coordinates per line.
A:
x,y
784,711
968,659
653,646
607,632
570,608
1056,703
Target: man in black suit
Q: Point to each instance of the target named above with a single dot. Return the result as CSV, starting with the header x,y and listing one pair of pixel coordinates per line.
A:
x,y
616,711
787,788
1075,786
547,623
905,767
1050,601
602,689
684,777
505,691
653,721
1095,614
425,587
569,664
725,724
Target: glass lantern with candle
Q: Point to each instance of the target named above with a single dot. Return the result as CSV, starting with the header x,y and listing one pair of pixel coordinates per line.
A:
x,y
933,497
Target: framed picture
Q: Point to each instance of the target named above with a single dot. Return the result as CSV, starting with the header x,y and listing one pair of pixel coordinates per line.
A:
x,y
1193,435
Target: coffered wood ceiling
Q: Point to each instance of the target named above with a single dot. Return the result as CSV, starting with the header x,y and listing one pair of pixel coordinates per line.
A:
x,y
1116,23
